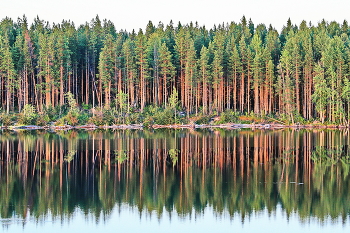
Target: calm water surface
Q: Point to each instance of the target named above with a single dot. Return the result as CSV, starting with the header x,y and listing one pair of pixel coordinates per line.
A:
x,y
175,180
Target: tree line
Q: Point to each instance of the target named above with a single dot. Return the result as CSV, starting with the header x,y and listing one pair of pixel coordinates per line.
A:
x,y
301,72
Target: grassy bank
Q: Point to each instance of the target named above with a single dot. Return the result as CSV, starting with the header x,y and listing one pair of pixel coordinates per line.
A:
x,y
71,116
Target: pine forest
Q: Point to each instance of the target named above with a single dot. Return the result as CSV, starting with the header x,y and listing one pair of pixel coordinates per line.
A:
x,y
99,74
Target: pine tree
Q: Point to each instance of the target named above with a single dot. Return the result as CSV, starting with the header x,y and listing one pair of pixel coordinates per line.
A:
x,y
141,61
321,93
190,76
217,47
47,74
63,56
257,67
287,88
128,52
205,75
234,67
107,64
167,70
8,74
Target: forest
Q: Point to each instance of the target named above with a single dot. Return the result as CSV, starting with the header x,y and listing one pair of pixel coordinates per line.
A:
x,y
169,73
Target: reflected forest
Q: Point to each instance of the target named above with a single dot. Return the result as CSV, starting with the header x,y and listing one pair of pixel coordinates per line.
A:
x,y
236,173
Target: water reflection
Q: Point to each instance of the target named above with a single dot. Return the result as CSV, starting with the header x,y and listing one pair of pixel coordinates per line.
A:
x,y
234,173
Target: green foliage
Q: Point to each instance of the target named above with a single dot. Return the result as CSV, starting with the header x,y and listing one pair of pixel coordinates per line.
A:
x,y
97,120
204,119
54,113
72,103
7,119
298,119
74,116
103,117
86,106
121,103
321,94
28,115
109,117
120,156
174,100
284,118
42,119
228,116
157,115
173,153
301,72
70,156
71,118
83,118
164,117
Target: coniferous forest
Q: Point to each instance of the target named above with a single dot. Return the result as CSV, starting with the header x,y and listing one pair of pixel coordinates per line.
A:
x,y
98,73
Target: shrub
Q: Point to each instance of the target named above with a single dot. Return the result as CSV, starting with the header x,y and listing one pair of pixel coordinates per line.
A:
x,y
54,113
6,119
164,117
72,118
203,120
83,118
109,117
134,118
228,116
86,106
148,121
42,119
28,115
97,120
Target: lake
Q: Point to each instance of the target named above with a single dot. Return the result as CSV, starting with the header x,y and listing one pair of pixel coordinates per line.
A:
x,y
169,180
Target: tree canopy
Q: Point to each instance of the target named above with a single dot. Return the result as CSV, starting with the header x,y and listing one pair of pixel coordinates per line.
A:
x,y
301,72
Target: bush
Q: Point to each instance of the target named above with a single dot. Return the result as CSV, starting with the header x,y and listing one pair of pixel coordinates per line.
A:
x,y
203,120
74,115
164,117
72,118
228,116
54,113
156,115
83,118
103,117
42,120
109,117
133,118
86,106
7,119
96,120
148,121
28,115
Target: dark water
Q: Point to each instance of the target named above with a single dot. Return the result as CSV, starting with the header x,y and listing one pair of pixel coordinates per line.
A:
x,y
175,180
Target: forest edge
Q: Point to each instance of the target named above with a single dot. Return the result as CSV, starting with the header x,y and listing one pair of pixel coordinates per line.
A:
x,y
176,126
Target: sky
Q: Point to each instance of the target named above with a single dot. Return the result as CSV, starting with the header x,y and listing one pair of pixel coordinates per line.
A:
x,y
135,14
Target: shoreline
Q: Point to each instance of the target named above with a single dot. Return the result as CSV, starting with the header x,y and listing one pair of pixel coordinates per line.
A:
x,y
175,126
